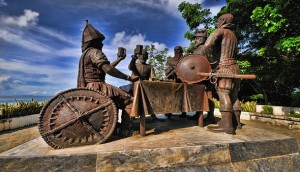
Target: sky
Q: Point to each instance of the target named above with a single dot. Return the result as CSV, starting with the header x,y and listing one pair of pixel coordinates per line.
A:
x,y
40,40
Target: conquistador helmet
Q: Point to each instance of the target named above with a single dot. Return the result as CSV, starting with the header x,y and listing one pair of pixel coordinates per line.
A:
x,y
90,33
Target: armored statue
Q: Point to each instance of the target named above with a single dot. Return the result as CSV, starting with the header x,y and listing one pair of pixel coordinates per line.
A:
x,y
94,65
221,46
87,114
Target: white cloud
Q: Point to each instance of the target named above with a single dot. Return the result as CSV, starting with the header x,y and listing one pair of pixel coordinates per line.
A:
x,y
121,39
18,39
17,81
51,74
56,34
69,52
130,41
3,3
30,18
170,6
3,78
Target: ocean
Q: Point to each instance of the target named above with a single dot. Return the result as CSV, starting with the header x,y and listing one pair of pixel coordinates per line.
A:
x,y
24,98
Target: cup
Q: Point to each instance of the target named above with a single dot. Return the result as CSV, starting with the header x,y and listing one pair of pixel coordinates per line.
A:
x,y
121,52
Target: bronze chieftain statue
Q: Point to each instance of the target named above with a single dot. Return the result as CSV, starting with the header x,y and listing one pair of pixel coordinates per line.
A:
x,y
221,46
171,64
200,38
171,73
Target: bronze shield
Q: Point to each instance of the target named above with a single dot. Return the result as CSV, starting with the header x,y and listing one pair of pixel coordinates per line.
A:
x,y
190,65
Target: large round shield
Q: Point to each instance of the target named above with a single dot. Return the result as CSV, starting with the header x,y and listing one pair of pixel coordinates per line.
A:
x,y
77,117
188,67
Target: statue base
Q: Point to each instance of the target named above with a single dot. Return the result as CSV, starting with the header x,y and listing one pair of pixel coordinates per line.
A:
x,y
173,145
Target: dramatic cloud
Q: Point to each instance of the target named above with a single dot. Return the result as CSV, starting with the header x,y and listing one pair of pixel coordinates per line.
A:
x,y
121,39
55,34
170,6
132,6
29,44
30,18
130,41
47,73
3,3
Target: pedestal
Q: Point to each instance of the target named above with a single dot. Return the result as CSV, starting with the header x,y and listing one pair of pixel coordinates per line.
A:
x,y
176,145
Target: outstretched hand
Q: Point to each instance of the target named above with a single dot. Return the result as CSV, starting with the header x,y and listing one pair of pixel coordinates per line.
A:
x,y
122,57
133,78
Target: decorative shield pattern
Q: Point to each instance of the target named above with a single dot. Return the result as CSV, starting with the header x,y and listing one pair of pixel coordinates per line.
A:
x,y
188,67
77,117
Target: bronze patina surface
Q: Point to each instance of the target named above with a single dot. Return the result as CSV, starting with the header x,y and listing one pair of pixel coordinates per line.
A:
x,y
188,67
77,117
167,97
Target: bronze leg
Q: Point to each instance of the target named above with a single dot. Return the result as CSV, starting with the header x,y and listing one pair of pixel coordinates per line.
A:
x,y
200,119
142,125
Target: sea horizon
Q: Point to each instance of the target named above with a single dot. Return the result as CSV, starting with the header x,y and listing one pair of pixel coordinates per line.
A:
x,y
13,99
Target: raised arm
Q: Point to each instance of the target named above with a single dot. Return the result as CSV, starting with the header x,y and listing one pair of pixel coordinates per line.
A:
x,y
111,70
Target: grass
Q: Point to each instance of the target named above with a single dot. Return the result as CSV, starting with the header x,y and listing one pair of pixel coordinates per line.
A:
x,y
249,106
20,109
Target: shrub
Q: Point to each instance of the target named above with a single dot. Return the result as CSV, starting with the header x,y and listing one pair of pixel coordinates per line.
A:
x,y
216,103
248,106
267,110
21,109
294,114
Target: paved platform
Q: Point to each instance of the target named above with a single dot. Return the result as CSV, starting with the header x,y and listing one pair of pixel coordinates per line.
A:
x,y
176,145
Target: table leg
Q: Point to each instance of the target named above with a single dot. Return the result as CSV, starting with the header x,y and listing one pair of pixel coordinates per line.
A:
x,y
200,120
142,125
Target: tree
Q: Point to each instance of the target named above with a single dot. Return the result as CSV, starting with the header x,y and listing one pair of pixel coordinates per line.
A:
x,y
157,59
194,15
269,40
269,43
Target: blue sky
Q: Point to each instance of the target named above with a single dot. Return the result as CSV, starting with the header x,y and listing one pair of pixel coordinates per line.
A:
x,y
40,40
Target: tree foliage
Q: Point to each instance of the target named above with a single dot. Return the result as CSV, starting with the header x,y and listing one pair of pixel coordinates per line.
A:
x,y
157,59
194,15
269,39
269,45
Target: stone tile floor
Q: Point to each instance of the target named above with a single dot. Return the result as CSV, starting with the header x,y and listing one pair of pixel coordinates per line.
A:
x,y
13,138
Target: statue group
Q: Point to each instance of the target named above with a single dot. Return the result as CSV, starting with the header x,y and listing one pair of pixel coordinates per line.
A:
x,y
219,49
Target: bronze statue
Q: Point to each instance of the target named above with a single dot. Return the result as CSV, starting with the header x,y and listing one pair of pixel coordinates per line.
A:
x,y
200,38
141,69
171,64
94,65
221,46
171,72
87,114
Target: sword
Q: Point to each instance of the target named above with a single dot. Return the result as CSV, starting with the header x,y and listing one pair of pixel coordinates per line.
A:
x,y
225,75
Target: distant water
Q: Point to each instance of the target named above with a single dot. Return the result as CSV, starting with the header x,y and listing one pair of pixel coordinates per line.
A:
x,y
25,98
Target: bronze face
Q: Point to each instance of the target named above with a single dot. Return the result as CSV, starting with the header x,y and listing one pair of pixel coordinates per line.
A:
x,y
143,58
199,40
